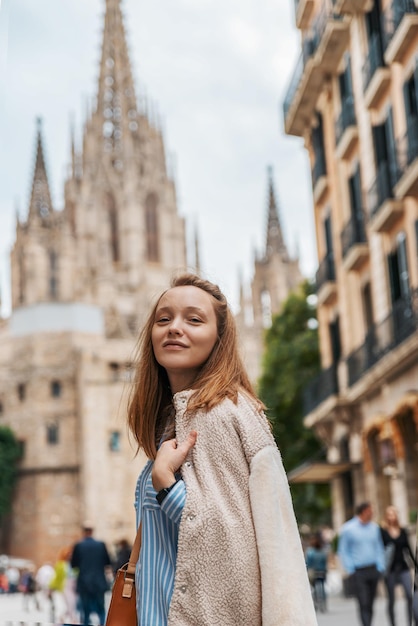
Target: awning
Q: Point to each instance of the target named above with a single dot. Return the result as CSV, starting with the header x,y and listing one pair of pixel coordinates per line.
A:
x,y
319,472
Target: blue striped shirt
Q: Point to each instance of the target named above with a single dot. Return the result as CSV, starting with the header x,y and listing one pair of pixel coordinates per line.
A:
x,y
157,560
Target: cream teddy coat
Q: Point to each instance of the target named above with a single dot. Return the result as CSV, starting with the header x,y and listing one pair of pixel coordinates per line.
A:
x,y
240,559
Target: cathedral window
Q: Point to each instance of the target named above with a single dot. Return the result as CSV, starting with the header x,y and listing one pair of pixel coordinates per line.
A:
x,y
21,391
114,441
52,433
21,264
151,221
266,308
53,274
56,388
113,222
114,369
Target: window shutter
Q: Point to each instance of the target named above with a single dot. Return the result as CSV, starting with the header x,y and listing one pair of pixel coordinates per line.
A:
x,y
403,266
391,148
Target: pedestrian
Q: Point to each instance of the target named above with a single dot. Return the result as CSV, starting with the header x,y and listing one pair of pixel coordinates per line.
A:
x,y
397,572
361,551
13,576
91,558
123,552
220,539
62,586
316,562
44,575
29,588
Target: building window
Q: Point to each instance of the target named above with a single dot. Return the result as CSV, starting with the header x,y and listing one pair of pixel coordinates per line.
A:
x,y
114,227
56,388
398,270
21,391
52,433
114,371
114,441
319,167
151,225
53,275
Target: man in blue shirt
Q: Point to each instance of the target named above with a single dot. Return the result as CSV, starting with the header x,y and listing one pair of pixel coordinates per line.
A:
x,y
362,555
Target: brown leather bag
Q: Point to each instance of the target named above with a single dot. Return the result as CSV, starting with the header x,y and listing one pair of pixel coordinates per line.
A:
x,y
122,608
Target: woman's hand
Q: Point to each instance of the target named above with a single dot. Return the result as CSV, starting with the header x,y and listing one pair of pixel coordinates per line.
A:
x,y
170,457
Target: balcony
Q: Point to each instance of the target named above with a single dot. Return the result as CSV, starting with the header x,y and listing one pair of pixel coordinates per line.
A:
x,y
331,34
407,158
321,54
352,6
301,96
400,324
401,29
355,249
376,76
303,12
319,389
326,287
346,133
384,209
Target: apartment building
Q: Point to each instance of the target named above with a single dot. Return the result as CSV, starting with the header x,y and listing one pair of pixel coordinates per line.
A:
x,y
353,98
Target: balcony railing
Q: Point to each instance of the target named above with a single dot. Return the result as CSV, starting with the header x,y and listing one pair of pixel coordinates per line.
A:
x,y
407,146
319,389
400,324
393,17
293,85
326,271
353,233
346,118
382,188
374,59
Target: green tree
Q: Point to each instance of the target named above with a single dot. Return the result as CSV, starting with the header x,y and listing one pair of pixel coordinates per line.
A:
x,y
10,453
291,360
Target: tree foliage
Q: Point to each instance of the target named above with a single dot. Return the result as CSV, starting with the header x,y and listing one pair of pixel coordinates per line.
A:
x,y
10,452
291,360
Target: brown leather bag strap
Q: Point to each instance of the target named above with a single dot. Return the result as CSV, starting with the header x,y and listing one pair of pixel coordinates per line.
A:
x,y
136,548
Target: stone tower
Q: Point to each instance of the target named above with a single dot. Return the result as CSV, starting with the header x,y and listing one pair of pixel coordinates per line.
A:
x,y
82,280
275,275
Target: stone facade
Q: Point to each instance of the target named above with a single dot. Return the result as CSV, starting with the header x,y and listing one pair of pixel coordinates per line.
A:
x,y
354,100
83,279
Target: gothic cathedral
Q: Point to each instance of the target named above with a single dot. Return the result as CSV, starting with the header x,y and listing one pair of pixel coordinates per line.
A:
x,y
83,279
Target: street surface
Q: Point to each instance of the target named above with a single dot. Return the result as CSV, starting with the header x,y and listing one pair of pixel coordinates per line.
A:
x,y
341,612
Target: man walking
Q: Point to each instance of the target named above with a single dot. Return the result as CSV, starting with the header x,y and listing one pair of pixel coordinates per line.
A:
x,y
362,555
91,558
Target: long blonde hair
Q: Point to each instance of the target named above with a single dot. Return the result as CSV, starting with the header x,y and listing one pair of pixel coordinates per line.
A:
x,y
150,406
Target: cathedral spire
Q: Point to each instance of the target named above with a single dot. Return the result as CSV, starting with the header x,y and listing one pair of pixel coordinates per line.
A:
x,y
40,202
116,101
274,238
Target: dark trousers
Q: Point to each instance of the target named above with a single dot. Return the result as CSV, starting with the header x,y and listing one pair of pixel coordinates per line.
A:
x,y
365,580
403,578
92,603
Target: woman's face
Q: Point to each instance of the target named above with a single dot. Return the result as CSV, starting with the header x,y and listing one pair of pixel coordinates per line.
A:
x,y
184,333
391,515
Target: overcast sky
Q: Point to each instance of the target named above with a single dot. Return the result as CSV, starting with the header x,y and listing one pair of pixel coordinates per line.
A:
x,y
217,71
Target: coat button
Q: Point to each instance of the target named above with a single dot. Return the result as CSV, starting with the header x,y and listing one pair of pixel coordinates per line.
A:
x,y
188,464
191,517
183,589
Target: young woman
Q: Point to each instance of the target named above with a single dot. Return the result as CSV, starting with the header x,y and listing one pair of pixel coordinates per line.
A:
x,y
395,540
220,543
